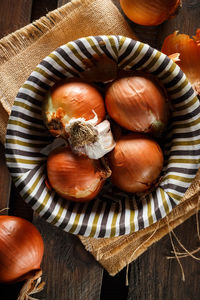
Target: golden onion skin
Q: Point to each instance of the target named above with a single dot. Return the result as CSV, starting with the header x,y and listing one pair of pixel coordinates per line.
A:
x,y
21,249
71,99
150,12
136,163
73,177
137,104
189,54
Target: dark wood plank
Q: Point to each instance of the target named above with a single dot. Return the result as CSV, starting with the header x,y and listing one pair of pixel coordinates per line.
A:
x,y
187,21
153,276
4,182
41,8
70,272
13,15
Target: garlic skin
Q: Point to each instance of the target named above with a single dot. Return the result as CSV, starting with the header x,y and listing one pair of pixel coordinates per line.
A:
x,y
89,138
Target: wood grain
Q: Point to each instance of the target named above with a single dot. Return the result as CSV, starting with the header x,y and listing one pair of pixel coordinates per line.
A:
x,y
187,21
4,182
70,272
153,277
41,8
13,15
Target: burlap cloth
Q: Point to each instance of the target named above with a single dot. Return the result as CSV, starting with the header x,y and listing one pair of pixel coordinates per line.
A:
x,y
22,50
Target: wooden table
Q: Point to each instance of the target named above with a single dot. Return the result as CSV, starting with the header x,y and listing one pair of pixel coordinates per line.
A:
x,y
70,272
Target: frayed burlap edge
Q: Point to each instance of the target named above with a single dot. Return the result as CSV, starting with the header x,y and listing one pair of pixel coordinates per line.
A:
x,y
116,253
22,38
105,19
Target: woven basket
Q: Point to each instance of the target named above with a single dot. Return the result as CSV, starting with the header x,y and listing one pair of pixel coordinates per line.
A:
x,y
113,212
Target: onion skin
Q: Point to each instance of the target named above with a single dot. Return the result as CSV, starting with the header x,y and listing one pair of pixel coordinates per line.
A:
x,y
73,177
71,99
136,163
21,249
149,13
189,54
137,104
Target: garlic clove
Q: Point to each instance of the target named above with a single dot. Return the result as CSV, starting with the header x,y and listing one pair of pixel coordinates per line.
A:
x,y
89,139
102,144
189,50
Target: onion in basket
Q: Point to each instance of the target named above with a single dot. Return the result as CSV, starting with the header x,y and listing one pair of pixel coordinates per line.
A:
x,y
74,177
136,163
137,104
74,110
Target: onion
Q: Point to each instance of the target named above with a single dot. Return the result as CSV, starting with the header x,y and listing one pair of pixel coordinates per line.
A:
x,y
74,177
150,12
71,99
75,111
21,249
189,55
138,104
136,163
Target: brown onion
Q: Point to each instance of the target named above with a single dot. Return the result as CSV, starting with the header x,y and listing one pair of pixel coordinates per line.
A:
x,y
150,12
136,163
74,177
71,99
21,249
189,55
137,104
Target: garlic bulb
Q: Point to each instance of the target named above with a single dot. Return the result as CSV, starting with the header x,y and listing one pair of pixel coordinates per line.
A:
x,y
90,138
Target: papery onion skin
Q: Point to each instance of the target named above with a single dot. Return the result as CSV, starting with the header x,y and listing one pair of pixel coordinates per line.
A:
x,y
136,163
137,104
21,249
189,54
72,98
149,13
73,177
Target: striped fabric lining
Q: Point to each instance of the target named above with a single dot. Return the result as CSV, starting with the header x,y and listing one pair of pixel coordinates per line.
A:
x,y
113,212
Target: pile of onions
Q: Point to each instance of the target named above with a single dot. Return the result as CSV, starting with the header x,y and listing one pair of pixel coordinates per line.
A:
x,y
136,163
137,104
150,12
75,110
71,99
21,249
74,177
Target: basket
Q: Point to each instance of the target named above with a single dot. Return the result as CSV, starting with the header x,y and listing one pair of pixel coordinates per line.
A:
x,y
112,212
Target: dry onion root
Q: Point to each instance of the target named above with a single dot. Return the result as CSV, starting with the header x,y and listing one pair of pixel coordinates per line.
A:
x,y
150,12
189,55
31,286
